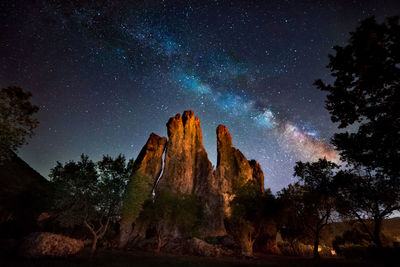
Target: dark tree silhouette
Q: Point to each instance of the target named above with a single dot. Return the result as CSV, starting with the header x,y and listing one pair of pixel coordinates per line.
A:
x,y
366,95
312,202
367,197
90,194
16,121
251,210
365,99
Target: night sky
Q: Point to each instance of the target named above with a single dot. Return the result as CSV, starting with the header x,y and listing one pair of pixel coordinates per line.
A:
x,y
107,73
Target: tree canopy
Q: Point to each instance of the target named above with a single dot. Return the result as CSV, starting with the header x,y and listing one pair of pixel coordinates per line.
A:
x,y
90,194
365,99
310,203
366,95
16,119
251,209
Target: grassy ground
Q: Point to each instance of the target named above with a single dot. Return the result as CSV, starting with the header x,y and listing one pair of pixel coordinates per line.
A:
x,y
147,259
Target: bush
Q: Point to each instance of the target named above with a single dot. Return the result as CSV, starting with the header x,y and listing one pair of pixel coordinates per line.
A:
x,y
301,249
297,249
38,245
353,251
350,238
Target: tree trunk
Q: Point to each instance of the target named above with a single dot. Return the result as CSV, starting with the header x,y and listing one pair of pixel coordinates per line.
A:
x,y
293,248
248,251
94,245
96,234
159,242
125,232
377,232
316,245
247,246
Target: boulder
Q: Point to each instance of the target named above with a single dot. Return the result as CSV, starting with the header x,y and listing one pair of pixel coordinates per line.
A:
x,y
199,247
44,244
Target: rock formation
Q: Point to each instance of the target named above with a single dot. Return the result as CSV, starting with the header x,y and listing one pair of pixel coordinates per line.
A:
x,y
186,165
149,161
258,174
187,170
233,169
146,170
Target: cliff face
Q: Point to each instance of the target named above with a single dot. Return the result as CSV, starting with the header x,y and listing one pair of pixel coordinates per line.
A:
x,y
233,169
149,161
146,170
187,169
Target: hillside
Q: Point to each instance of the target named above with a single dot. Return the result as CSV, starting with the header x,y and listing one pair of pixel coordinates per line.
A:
x,y
390,230
23,194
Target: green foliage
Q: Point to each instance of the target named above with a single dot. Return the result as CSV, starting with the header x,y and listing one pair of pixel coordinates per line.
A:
x,y
76,190
90,194
137,192
237,183
251,209
16,121
173,211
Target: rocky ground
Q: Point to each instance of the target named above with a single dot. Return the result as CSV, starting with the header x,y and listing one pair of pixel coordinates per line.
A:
x,y
139,258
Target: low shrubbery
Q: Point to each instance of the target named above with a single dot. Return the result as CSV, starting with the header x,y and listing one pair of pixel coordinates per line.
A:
x,y
352,251
38,245
301,249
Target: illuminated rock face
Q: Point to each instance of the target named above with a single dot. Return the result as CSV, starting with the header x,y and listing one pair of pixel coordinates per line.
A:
x,y
187,169
149,161
233,169
149,166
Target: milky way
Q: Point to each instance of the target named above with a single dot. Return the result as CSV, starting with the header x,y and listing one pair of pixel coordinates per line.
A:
x,y
107,74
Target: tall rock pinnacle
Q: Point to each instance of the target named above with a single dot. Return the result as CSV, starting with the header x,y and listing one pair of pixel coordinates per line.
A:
x,y
186,162
233,169
147,168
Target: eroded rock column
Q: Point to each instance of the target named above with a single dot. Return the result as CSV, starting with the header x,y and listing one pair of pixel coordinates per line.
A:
x,y
146,170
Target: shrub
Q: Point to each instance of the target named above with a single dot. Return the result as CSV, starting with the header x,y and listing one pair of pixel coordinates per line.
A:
x,y
295,249
353,251
350,237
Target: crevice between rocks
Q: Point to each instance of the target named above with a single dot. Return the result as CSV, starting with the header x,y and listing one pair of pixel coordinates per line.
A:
x,y
153,192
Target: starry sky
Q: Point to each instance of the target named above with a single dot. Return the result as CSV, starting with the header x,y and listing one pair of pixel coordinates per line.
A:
x,y
106,74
